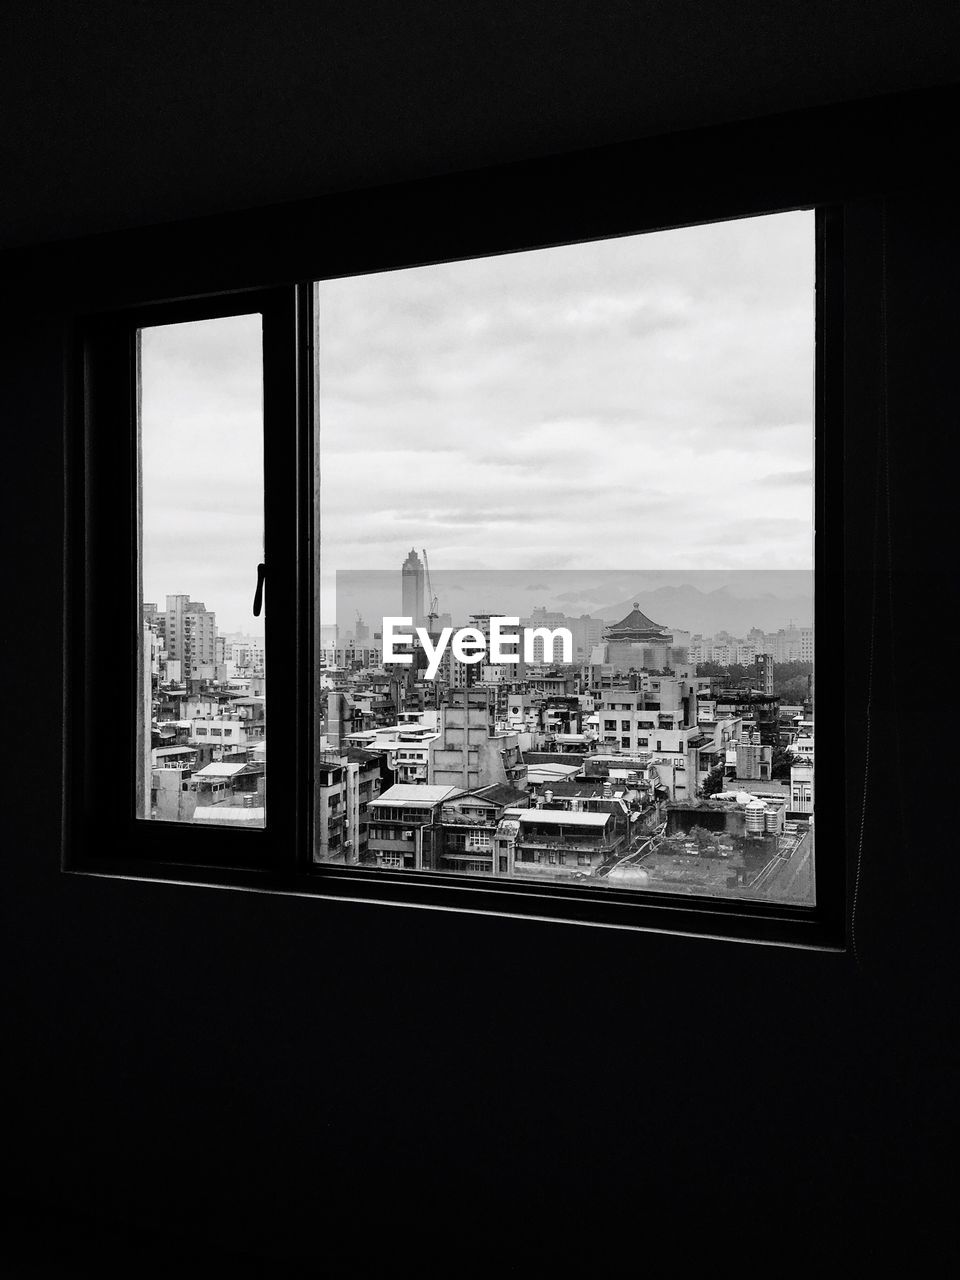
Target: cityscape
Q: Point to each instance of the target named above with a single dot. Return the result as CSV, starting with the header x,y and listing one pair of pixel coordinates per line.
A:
x,y
654,758
645,399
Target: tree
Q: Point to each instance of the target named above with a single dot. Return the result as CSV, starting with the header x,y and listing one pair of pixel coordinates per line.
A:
x,y
713,782
790,679
780,764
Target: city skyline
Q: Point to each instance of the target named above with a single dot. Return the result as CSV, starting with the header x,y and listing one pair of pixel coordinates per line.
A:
x,y
695,600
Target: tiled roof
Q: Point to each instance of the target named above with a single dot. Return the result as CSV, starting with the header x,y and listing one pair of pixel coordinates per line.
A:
x,y
637,621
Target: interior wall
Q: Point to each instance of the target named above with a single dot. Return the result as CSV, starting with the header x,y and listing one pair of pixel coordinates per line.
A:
x,y
254,1070
119,115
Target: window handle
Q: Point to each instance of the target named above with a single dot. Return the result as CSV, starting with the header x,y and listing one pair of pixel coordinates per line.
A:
x,y
258,594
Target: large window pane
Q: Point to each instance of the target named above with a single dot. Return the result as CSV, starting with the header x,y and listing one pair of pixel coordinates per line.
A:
x,y
614,440
203,677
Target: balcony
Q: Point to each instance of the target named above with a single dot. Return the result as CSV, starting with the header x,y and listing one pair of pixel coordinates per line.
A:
x,y
557,844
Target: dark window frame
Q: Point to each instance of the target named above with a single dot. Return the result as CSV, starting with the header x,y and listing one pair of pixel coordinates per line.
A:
x,y
101,553
213,267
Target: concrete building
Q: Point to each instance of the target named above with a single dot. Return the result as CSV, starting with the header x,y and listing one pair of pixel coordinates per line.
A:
x,y
801,787
585,631
464,839
557,843
754,762
347,782
245,655
656,724
470,751
631,801
756,710
190,631
763,673
219,731
180,793
397,819
406,745
352,655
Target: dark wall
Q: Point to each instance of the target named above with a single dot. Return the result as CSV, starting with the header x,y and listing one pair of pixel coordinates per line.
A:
x,y
256,1071
117,115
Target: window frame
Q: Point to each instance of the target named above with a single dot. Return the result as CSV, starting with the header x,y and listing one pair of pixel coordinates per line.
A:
x,y
102,552
511,209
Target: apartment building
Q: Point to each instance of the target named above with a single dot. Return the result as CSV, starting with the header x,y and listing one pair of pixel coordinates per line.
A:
x,y
470,751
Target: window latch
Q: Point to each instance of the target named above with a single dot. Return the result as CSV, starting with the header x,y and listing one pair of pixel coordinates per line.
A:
x,y
258,594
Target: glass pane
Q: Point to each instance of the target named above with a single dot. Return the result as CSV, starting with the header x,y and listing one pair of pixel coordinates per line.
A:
x,y
203,676
612,442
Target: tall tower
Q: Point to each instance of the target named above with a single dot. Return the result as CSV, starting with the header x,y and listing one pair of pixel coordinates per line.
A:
x,y
412,580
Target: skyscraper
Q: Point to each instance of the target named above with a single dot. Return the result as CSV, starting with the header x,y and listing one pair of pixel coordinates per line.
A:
x,y
412,579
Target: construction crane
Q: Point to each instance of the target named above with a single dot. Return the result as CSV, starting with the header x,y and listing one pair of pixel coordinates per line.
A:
x,y
433,609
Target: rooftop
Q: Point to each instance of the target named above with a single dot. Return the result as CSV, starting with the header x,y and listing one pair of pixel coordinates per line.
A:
x,y
229,813
220,769
499,793
357,755
413,794
585,788
560,817
552,773
635,622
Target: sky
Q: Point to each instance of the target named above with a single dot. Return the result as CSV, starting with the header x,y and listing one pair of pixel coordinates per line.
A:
x,y
202,465
640,404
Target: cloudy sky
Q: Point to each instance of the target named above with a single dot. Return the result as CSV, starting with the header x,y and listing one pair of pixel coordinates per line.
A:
x,y
202,465
639,404
642,404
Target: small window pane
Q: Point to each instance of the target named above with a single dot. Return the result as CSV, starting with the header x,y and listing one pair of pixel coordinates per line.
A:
x,y
202,725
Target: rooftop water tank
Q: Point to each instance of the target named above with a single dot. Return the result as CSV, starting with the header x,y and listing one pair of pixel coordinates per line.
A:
x,y
755,812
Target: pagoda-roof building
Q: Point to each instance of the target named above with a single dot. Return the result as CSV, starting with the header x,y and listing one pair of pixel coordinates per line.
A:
x,y
637,627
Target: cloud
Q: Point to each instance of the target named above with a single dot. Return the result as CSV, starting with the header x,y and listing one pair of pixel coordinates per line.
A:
x,y
620,403
804,478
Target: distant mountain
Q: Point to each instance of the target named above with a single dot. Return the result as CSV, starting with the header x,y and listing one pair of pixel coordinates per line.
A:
x,y
689,609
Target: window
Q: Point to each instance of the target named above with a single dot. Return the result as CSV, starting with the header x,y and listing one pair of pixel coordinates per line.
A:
x,y
515,328
704,325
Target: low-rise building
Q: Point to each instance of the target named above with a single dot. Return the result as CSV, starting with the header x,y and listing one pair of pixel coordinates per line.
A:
x,y
347,782
397,818
179,793
464,837
558,843
801,787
